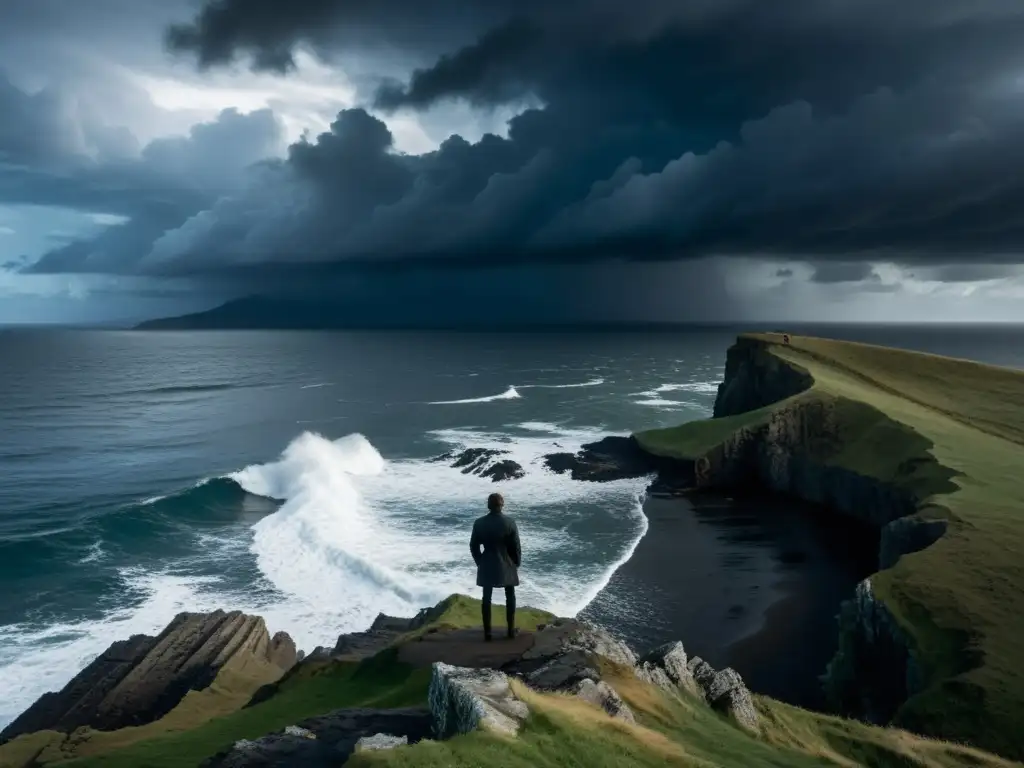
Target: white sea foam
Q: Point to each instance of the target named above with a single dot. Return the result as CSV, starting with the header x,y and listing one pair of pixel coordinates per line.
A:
x,y
356,535
35,659
590,383
704,387
654,399
95,553
508,394
317,386
155,499
661,402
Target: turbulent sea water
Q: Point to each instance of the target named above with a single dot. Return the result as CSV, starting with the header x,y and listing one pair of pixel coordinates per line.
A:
x,y
289,474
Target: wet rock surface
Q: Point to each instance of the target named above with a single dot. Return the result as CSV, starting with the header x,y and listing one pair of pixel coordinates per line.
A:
x,y
619,458
328,740
612,458
139,680
484,462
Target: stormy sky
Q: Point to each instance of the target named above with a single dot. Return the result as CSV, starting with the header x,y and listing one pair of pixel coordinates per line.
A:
x,y
579,160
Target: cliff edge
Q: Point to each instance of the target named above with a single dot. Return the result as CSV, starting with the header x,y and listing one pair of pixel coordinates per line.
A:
x,y
927,449
202,664
428,691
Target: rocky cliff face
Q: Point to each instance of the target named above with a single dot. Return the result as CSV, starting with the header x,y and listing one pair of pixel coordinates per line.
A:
x,y
754,378
139,680
874,671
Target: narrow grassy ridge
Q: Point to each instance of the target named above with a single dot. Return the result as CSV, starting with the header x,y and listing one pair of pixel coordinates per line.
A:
x,y
951,432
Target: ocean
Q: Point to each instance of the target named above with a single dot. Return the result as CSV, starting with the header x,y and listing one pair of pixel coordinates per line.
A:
x,y
289,474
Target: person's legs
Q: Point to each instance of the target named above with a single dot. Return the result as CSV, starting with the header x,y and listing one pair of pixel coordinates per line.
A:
x,y
486,611
510,610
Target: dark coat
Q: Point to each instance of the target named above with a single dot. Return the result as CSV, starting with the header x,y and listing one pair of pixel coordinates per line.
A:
x,y
496,551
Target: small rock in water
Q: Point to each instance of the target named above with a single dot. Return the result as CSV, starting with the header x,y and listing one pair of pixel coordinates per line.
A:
x,y
381,741
483,462
302,733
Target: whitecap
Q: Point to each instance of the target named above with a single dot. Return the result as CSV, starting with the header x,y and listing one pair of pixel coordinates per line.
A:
x,y
508,394
589,383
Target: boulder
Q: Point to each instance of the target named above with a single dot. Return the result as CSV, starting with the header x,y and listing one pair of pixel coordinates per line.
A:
x,y
463,699
506,469
701,671
600,694
725,691
666,666
139,680
327,741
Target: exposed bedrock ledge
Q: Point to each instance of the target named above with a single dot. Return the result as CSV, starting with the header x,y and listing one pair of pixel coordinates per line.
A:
x,y
139,680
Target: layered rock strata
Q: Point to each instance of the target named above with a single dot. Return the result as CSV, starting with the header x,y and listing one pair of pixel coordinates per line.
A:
x,y
139,680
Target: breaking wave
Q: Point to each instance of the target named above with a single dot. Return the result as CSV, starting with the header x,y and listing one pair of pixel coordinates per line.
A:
x,y
508,394
654,397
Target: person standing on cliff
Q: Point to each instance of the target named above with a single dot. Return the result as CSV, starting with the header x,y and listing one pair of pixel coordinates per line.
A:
x,y
497,554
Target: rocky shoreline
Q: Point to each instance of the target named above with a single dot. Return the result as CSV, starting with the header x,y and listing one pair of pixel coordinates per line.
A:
x,y
874,670
471,684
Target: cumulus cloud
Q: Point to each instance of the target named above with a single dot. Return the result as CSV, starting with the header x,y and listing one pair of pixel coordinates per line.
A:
x,y
137,198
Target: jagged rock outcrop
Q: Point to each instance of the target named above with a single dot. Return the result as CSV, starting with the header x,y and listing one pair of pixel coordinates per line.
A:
x,y
326,741
755,378
464,699
725,691
666,667
873,671
139,680
602,695
484,462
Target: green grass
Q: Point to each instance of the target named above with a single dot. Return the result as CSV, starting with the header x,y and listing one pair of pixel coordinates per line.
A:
x,y
676,730
561,732
318,690
461,611
178,740
952,432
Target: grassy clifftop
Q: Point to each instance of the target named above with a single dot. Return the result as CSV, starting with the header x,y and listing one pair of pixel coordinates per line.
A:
x,y
949,433
671,729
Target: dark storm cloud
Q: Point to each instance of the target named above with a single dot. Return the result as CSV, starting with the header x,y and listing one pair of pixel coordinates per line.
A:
x,y
846,131
965,273
843,272
46,161
50,154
